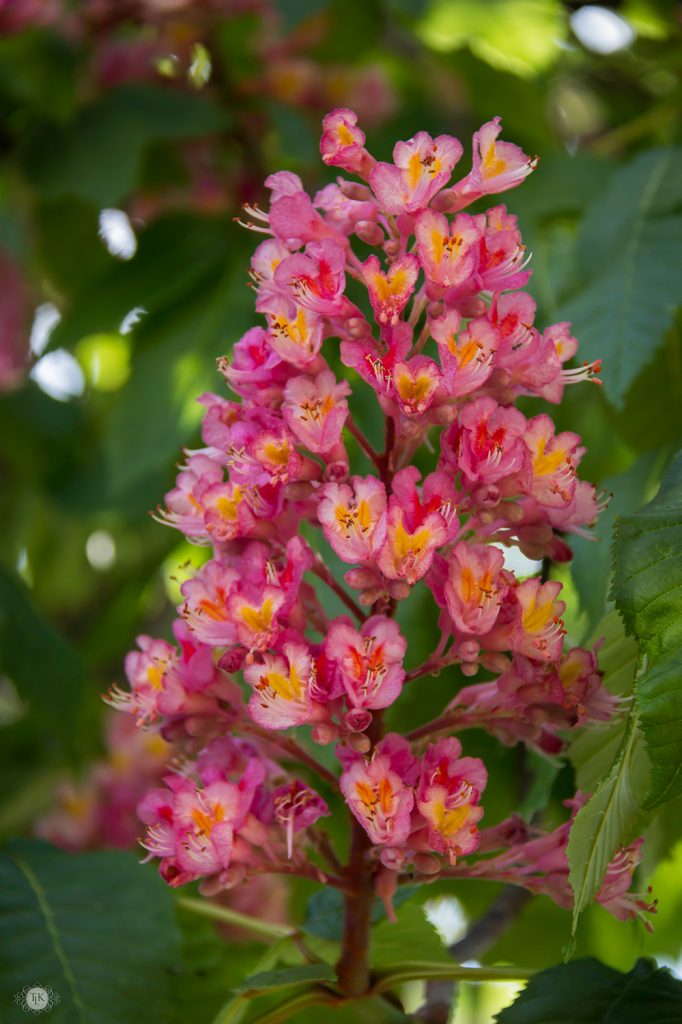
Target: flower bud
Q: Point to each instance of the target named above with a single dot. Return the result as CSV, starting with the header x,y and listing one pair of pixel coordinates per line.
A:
x,y
370,232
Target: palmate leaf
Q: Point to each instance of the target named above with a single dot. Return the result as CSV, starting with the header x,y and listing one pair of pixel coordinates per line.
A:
x,y
594,749
611,763
630,250
48,673
325,911
609,820
94,927
647,588
498,32
588,992
97,156
302,974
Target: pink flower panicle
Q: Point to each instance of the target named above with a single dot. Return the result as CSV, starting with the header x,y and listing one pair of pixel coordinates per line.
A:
x,y
435,325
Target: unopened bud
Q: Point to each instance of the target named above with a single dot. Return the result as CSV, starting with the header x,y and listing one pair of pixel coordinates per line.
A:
x,y
359,742
392,247
357,720
445,201
354,190
337,471
232,660
469,668
469,650
425,864
370,232
510,511
324,733
357,327
494,662
487,496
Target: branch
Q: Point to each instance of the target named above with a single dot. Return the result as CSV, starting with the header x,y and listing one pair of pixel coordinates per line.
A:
x,y
481,937
485,932
428,667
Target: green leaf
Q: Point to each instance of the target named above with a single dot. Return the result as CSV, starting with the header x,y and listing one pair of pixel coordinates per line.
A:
x,y
324,913
591,564
47,672
593,750
95,927
233,1010
298,975
630,250
211,965
411,931
543,773
588,992
647,588
153,415
176,255
200,69
294,12
609,820
521,36
97,155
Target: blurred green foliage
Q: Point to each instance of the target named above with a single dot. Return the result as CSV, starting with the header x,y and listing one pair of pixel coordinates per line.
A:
x,y
176,119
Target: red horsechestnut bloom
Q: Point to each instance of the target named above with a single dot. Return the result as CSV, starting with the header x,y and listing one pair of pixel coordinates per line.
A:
x,y
441,336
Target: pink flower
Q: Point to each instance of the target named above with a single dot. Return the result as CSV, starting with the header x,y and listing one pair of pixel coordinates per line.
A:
x,y
315,410
316,278
415,529
553,460
488,441
294,220
282,688
540,632
474,587
379,793
422,167
449,789
466,355
445,356
193,829
390,291
497,167
205,609
343,143
297,807
255,371
294,332
353,517
185,508
370,661
448,253
416,384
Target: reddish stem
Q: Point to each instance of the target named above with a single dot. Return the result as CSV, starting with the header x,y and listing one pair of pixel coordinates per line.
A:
x,y
428,667
367,448
353,966
385,460
289,746
457,720
321,571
